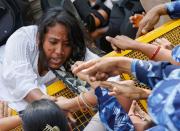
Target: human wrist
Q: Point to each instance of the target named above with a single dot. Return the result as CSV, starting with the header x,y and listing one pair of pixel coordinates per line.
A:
x,y
137,45
161,9
124,65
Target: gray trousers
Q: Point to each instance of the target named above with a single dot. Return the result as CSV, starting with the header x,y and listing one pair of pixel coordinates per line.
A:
x,y
95,124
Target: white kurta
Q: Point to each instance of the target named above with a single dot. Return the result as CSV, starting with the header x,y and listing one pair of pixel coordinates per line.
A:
x,y
19,70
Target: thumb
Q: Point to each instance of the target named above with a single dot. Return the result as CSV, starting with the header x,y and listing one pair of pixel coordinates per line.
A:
x,y
148,27
109,39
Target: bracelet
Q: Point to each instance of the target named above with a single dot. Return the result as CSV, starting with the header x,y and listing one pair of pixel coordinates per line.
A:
x,y
155,53
84,100
81,109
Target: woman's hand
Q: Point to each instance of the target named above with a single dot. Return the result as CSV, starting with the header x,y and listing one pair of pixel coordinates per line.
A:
x,y
80,74
121,42
125,88
84,76
103,68
5,111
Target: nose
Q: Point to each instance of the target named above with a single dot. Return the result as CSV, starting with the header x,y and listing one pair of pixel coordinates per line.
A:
x,y
59,50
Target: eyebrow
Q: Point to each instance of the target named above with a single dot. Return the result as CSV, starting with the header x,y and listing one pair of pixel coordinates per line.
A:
x,y
57,38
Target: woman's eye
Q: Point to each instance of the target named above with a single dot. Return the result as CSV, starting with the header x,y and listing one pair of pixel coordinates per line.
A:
x,y
53,42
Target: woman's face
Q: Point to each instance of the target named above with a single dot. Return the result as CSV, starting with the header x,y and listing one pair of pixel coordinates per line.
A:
x,y
56,46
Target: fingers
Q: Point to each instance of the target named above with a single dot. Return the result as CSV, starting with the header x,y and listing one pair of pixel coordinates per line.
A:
x,y
127,82
112,93
71,117
113,43
109,39
115,48
84,66
107,84
114,40
132,108
76,64
139,32
146,28
99,77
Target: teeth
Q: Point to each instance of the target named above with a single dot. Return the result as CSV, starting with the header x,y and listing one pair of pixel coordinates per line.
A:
x,y
56,59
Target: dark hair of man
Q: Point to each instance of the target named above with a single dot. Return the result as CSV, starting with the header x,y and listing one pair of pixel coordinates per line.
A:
x,y
39,113
52,17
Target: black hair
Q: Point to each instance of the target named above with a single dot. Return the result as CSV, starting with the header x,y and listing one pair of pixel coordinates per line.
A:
x,y
75,34
39,113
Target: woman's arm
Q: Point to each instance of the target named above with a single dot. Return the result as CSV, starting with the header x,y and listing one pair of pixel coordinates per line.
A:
x,y
76,103
9,123
152,51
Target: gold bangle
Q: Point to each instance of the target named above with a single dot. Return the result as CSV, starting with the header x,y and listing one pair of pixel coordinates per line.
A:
x,y
86,101
81,109
82,99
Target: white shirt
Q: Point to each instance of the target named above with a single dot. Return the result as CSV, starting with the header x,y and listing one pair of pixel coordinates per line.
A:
x,y
19,70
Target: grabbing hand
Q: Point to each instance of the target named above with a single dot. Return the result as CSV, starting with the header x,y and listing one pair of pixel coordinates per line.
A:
x,y
121,42
83,76
150,19
124,88
103,68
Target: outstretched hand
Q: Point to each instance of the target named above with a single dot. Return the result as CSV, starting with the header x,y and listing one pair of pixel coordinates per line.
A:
x,y
119,43
125,88
151,19
103,68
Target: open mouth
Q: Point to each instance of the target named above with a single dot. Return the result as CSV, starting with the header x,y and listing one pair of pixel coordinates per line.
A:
x,y
55,60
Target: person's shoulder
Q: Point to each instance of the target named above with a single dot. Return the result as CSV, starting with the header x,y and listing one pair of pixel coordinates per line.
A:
x,y
25,31
23,36
28,29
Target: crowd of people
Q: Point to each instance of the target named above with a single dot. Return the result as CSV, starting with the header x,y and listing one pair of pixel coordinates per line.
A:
x,y
58,42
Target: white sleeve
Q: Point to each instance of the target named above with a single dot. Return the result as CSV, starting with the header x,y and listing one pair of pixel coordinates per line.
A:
x,y
18,75
90,55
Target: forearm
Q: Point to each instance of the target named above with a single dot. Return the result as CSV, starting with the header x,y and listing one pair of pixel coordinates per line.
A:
x,y
34,94
125,102
9,123
148,49
77,103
